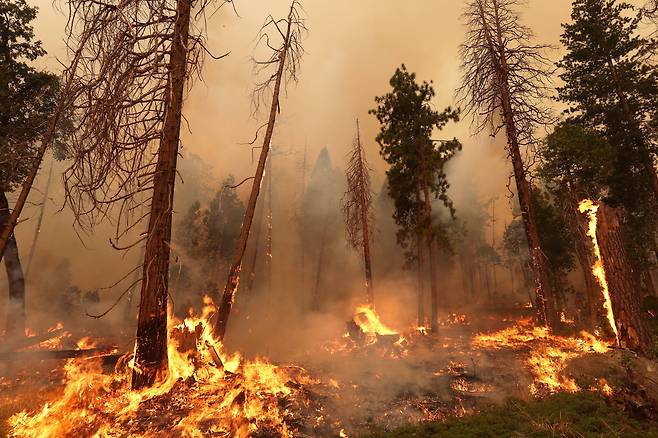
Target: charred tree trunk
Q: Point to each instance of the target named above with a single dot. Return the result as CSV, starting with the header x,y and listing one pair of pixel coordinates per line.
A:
x,y
268,243
231,287
624,292
151,340
15,325
434,294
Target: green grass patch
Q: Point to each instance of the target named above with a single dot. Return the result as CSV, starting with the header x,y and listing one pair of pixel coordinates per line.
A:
x,y
560,415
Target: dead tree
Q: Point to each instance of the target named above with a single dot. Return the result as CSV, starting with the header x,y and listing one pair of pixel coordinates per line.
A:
x,y
357,208
505,79
285,59
136,59
268,241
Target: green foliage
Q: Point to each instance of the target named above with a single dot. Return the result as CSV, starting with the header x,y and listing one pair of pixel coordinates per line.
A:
x,y
408,121
578,159
607,57
27,96
565,415
554,235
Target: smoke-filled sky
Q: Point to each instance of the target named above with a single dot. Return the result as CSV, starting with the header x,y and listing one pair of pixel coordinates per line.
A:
x,y
352,49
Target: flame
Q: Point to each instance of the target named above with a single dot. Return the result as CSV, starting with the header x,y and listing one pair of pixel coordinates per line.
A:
x,y
590,208
547,355
368,321
235,398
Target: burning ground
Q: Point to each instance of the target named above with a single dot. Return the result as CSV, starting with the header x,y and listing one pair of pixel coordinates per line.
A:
x,y
372,377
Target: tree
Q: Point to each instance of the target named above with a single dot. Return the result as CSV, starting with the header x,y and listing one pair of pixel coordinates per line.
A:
x,y
505,80
416,163
132,60
577,164
285,59
357,208
27,100
611,87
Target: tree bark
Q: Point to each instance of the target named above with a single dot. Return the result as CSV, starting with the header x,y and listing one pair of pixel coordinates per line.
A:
x,y
421,262
624,292
231,287
434,295
151,339
15,323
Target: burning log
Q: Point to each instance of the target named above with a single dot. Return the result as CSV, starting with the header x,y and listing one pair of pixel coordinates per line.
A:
x,y
19,344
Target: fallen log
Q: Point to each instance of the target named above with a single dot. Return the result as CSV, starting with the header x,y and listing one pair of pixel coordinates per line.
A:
x,y
19,344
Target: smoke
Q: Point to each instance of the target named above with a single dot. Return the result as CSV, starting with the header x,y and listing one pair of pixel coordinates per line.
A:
x,y
351,51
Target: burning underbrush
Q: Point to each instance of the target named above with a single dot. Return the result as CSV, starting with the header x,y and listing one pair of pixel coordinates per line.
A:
x,y
373,376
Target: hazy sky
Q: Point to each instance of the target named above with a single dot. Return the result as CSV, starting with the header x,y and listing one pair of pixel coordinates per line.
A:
x,y
353,47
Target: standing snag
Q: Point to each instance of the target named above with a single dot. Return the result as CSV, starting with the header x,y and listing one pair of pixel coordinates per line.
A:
x,y
505,79
285,59
357,208
134,59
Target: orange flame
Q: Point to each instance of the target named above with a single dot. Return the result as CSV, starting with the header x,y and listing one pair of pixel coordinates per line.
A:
x,y
590,208
368,321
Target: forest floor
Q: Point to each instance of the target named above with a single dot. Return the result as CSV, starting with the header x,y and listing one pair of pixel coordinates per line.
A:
x,y
499,376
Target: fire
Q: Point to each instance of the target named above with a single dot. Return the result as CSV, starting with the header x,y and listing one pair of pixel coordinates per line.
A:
x,y
590,208
368,321
206,392
547,355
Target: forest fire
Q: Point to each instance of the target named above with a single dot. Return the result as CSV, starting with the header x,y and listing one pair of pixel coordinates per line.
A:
x,y
206,392
590,208
546,354
343,253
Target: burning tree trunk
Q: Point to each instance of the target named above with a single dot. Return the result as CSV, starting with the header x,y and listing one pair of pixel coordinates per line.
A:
x,y
585,256
616,277
357,207
286,59
15,324
506,76
151,340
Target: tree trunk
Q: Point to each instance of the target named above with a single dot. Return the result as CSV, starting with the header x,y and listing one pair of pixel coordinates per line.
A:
x,y
268,244
251,278
15,325
231,287
315,301
434,295
421,262
624,292
151,340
